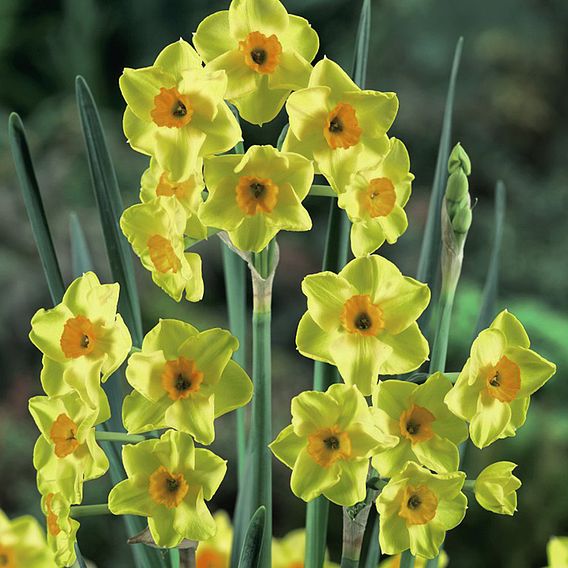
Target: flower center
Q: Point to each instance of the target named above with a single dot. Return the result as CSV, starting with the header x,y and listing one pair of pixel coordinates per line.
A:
x,y
181,378
167,488
7,557
52,526
171,109
380,197
329,445
416,424
418,505
63,434
78,337
167,189
361,316
256,195
261,53
503,380
210,558
341,128
162,254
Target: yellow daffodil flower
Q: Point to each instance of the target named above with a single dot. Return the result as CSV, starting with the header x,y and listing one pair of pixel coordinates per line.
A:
x,y
374,201
419,562
156,182
256,195
417,507
557,552
494,388
363,321
289,551
22,544
155,231
216,552
169,481
496,488
66,453
265,52
82,338
426,430
176,112
184,379
338,125
329,443
61,528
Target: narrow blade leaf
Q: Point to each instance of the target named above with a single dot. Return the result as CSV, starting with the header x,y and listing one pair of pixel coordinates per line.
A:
x,y
81,260
34,207
110,207
432,240
361,54
489,298
252,547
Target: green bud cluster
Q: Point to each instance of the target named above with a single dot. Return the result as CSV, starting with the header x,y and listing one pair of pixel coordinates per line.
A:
x,y
458,202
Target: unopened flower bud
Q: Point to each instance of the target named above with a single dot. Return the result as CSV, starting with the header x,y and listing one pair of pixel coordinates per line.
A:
x,y
459,160
461,221
495,488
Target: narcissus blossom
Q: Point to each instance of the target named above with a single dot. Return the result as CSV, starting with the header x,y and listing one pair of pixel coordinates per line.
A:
x,y
157,182
363,321
82,338
216,551
338,125
184,379
265,52
176,110
494,388
61,528
417,507
290,550
426,430
66,453
22,544
155,230
557,552
328,444
374,201
256,195
496,488
169,481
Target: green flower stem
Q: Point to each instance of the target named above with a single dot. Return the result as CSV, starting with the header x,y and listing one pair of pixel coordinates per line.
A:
x,y
407,560
469,484
353,531
119,437
440,347
187,558
89,510
322,191
261,425
234,269
135,349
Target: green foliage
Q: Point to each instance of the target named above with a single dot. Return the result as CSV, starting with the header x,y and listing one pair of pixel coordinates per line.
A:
x,y
250,557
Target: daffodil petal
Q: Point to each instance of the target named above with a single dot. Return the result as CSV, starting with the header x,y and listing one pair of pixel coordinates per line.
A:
x,y
313,410
142,415
312,341
301,37
177,57
491,420
212,37
195,416
287,446
535,370
437,454
512,329
265,16
350,488
233,390
309,480
408,350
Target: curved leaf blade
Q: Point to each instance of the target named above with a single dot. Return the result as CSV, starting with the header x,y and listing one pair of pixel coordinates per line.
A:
x,y
252,547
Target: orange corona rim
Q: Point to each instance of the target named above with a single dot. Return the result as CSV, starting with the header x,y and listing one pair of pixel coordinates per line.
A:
x,y
342,128
256,195
328,445
78,337
167,488
171,109
63,434
162,254
361,316
416,424
379,198
181,378
503,381
261,53
418,505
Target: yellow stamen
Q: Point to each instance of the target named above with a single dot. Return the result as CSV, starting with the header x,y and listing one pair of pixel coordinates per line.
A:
x,y
329,445
379,198
63,434
418,505
256,195
416,424
211,558
171,108
503,381
167,189
167,488
52,526
78,337
162,254
181,378
361,316
341,128
262,53
7,557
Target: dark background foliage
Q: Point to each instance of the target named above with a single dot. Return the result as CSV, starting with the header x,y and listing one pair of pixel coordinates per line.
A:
x,y
511,115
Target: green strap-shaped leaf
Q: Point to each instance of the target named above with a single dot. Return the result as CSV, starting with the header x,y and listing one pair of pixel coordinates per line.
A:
x,y
373,550
34,207
489,298
250,556
407,560
432,240
81,260
110,207
361,53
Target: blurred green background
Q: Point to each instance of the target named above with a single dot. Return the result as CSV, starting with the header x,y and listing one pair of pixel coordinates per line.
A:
x,y
511,116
